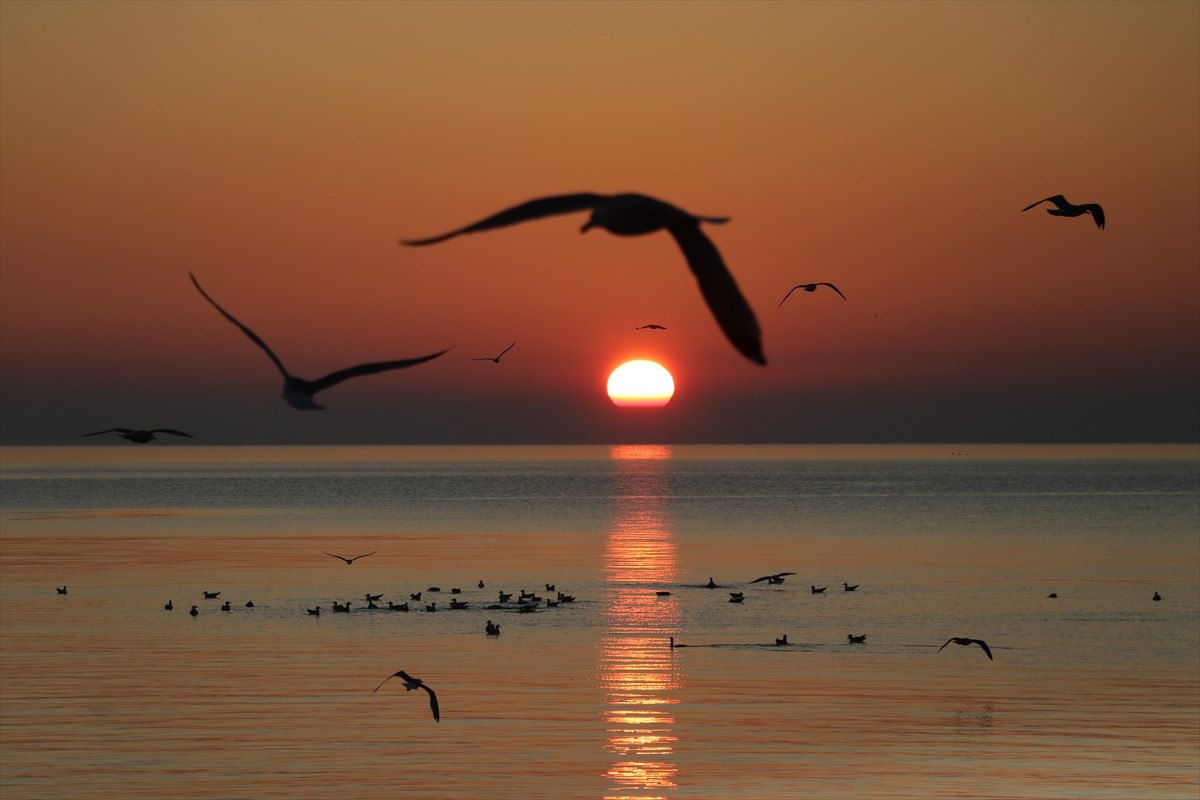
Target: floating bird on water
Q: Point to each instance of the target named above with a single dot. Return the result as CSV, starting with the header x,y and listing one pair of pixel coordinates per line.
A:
x,y
315,612
194,612
481,584
63,590
965,642
1157,597
431,607
736,597
226,606
663,593
778,577
299,392
249,604
393,607
141,437
411,683
350,560
491,629
496,360
338,608
370,597
711,584
847,587
170,606
504,596
550,587
818,589
1053,595
458,604
651,327
636,214
852,639
211,595
810,287
781,642
415,596
1066,209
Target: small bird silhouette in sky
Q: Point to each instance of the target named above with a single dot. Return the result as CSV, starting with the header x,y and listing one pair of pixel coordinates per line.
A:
x,y
1066,209
350,560
810,287
651,327
141,437
496,360
299,392
634,215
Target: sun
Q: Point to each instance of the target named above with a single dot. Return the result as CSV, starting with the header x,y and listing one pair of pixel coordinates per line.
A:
x,y
640,384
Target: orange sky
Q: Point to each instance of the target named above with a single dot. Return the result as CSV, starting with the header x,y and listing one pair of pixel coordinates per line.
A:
x,y
279,151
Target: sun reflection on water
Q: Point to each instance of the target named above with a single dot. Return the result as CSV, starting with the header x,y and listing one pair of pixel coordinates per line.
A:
x,y
639,676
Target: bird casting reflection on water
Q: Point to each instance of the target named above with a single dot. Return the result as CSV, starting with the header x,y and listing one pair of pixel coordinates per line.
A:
x,y
634,215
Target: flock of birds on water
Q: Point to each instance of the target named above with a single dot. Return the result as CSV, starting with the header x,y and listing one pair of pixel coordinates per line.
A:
x,y
625,214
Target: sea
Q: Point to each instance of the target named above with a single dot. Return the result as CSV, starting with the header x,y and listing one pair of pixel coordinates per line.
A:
x,y
1077,566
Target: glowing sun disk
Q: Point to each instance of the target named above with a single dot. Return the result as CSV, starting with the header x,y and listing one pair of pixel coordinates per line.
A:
x,y
640,384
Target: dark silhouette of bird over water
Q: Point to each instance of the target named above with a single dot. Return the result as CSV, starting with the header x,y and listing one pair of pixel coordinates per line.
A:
x,y
353,559
139,436
781,642
651,327
965,642
496,360
194,612
211,595
63,590
1156,596
491,629
1063,208
852,639
411,683
299,392
777,578
634,215
169,606
810,287
848,588
818,589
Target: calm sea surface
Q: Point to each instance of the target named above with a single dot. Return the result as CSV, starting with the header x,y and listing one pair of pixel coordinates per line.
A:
x,y
1093,694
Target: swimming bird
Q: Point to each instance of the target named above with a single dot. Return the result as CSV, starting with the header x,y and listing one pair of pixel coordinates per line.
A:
x,y
1157,597
504,596
299,392
194,612
139,436
776,578
810,287
852,639
736,597
211,595
965,642
663,593
496,360
411,683
848,588
338,608
781,642
393,607
456,590
431,607
350,560
550,587
481,584
458,604
370,597
63,590
634,215
249,604
433,589
169,606
491,629
564,598
711,584
818,589
1063,208
415,596
1053,595
314,612
651,327
370,605
226,606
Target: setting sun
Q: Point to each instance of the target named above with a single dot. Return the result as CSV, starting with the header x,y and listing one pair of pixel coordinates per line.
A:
x,y
640,384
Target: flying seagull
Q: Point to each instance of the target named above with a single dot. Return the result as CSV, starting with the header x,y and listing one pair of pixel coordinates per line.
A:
x,y
652,327
778,577
1066,209
496,360
411,683
299,392
141,437
965,642
636,214
810,287
350,560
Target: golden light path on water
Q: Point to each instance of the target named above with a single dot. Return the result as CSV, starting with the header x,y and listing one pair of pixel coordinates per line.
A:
x,y
639,677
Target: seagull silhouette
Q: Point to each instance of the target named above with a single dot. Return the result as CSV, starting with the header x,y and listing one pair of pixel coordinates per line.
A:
x,y
299,392
1066,209
634,215
411,683
496,360
776,578
965,642
651,327
852,639
810,287
350,560
194,612
141,437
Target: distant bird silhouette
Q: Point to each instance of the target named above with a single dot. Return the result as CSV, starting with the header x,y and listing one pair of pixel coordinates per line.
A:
x,y
169,606
411,683
351,560
491,629
226,606
651,327
1053,595
810,287
194,612
711,584
847,587
636,214
1067,209
299,392
339,608
965,642
496,360
63,590
139,436
781,642
504,596
370,597
314,612
431,607
736,597
778,577
663,593
1157,597
249,604
211,595
456,590
550,587
481,584
458,604
818,589
852,639
415,596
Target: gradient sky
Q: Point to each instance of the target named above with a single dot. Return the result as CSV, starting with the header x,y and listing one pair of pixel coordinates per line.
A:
x,y
280,150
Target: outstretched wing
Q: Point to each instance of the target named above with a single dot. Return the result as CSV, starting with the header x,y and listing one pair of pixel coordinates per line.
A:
x,y
831,286
986,649
1057,199
534,209
433,704
763,578
364,555
171,430
388,678
343,558
110,430
1097,213
720,290
948,641
253,336
789,294
335,378
514,344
